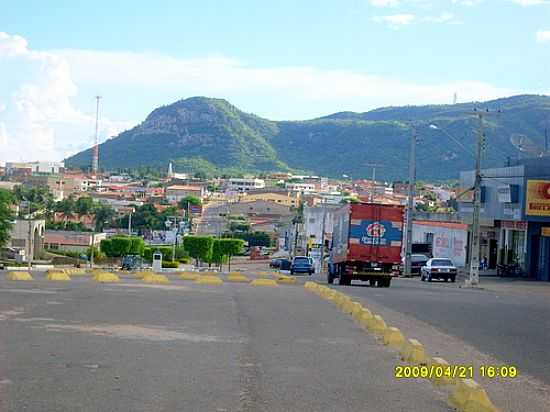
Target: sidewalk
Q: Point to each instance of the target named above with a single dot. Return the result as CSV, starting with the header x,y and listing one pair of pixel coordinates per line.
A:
x,y
490,281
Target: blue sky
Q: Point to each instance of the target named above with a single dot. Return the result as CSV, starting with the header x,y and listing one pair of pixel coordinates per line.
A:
x,y
280,60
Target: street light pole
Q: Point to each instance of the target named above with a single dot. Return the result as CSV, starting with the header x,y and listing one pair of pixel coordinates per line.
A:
x,y
475,243
410,202
323,238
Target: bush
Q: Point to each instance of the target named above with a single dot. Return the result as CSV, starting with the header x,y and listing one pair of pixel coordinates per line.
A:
x,y
165,250
185,260
170,264
198,247
119,246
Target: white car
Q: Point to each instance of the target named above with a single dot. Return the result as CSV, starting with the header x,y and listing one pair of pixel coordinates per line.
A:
x,y
438,268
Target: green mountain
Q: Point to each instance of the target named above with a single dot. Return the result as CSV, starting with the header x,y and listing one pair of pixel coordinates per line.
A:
x,y
211,135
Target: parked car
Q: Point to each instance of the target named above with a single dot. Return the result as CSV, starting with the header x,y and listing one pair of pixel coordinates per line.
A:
x,y
275,263
285,264
301,264
417,261
438,268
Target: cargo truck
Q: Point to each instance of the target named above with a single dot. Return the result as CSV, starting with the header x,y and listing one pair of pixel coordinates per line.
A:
x,y
366,243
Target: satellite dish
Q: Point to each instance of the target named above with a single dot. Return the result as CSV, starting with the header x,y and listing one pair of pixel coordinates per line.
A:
x,y
526,145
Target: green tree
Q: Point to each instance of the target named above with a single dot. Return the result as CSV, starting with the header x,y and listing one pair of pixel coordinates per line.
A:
x,y
66,206
217,256
189,200
137,246
103,214
198,247
230,247
37,200
84,205
6,216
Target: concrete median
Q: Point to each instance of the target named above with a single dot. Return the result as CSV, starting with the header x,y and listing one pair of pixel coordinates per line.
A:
x,y
443,365
286,280
156,278
17,275
377,325
57,276
393,337
413,352
209,280
106,277
469,396
363,317
189,276
237,278
264,282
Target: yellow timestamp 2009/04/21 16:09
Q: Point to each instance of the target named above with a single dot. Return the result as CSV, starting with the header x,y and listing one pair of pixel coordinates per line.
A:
x,y
454,371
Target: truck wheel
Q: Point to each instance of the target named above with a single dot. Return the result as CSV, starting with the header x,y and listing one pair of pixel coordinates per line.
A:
x,y
345,280
453,279
372,283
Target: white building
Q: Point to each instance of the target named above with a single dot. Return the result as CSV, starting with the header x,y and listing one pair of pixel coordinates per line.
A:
x,y
38,167
243,185
448,239
301,187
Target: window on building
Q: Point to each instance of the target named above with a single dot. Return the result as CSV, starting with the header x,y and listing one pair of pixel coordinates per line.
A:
x,y
429,238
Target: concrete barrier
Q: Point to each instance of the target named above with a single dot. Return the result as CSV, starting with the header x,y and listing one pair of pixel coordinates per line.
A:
x,y
57,276
142,273
286,280
264,282
156,278
189,276
441,363
377,325
347,306
469,396
310,285
363,317
413,352
106,277
209,280
356,307
18,275
237,278
393,337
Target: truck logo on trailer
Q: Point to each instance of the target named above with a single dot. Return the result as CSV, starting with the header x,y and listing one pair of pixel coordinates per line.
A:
x,y
376,229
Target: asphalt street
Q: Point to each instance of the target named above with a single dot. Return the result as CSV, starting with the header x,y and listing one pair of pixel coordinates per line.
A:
x,y
510,325
86,346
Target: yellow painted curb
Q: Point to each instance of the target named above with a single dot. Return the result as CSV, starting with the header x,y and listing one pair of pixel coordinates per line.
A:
x,y
469,396
286,280
263,282
413,352
377,325
142,273
363,317
443,364
76,272
209,280
356,308
310,285
156,278
345,305
57,276
393,337
106,277
238,278
189,276
263,273
19,276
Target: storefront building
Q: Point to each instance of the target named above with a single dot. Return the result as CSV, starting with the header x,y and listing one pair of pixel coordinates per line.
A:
x,y
515,215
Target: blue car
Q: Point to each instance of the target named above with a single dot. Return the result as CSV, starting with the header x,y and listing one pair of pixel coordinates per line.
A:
x,y
301,264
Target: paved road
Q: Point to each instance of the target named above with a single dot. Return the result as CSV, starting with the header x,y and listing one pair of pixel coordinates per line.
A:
x,y
132,347
510,324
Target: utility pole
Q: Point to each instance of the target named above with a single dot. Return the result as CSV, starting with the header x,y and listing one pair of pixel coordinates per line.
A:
x,y
373,181
475,240
92,250
29,258
323,237
410,202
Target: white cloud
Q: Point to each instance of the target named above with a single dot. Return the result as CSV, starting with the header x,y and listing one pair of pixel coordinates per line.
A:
x,y
239,82
40,89
384,3
543,36
395,20
467,3
442,18
38,120
526,3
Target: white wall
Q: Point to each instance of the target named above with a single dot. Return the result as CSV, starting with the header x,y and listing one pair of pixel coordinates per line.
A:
x,y
447,242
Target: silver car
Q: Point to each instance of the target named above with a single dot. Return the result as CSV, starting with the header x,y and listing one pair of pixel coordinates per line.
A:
x,y
438,268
